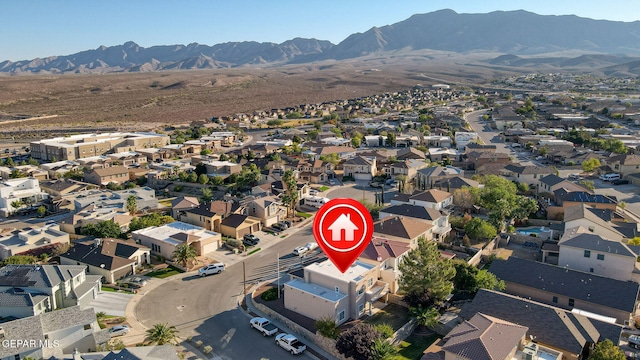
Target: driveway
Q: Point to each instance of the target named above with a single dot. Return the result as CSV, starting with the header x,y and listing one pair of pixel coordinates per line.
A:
x,y
111,303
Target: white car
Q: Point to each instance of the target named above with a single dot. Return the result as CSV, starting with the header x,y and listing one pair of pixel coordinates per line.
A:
x,y
311,246
119,330
211,269
300,250
313,192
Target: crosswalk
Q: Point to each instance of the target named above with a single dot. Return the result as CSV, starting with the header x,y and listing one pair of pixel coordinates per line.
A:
x,y
287,263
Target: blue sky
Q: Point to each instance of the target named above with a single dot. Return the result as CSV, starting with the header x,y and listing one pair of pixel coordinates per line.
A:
x,y
40,28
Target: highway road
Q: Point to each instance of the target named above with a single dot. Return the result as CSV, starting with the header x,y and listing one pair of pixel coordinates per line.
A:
x,y
207,308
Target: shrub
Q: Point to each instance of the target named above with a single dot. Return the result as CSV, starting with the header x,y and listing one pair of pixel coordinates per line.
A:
x,y
327,327
385,330
198,343
270,294
207,349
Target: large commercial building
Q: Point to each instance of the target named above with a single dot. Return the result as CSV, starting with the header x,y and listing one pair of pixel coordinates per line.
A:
x,y
87,145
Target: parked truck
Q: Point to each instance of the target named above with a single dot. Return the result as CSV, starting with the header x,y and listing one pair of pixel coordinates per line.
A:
x,y
290,343
264,326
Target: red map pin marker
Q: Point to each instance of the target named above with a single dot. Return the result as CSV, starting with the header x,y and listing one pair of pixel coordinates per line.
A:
x,y
343,228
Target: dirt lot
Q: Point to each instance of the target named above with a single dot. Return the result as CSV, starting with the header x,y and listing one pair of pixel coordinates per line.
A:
x,y
151,100
518,251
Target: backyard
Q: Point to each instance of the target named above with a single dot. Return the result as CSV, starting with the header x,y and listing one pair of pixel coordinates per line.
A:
x,y
392,315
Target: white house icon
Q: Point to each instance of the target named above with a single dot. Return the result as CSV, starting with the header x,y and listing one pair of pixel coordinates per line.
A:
x,y
343,222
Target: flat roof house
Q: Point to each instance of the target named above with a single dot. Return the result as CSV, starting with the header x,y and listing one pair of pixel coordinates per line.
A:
x,y
163,240
31,239
327,292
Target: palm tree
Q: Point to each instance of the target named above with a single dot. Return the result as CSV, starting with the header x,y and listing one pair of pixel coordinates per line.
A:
x,y
17,204
161,334
184,253
132,205
425,316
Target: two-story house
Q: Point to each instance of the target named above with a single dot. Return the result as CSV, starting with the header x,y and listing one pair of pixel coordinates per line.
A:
x,y
14,193
403,229
436,218
428,176
209,215
624,165
31,240
387,255
65,285
325,291
103,176
434,198
267,209
360,168
529,174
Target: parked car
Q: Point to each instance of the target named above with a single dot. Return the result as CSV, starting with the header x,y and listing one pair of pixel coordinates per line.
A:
x,y
264,326
280,226
119,330
287,222
137,282
332,182
620,182
313,192
300,250
290,343
250,240
210,269
311,246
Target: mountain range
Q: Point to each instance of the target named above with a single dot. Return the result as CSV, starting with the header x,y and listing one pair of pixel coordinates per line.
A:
x,y
520,37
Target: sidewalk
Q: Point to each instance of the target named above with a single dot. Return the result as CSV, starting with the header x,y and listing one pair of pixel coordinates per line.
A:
x,y
313,350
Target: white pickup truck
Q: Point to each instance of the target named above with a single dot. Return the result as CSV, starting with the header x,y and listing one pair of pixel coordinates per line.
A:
x,y
264,326
290,343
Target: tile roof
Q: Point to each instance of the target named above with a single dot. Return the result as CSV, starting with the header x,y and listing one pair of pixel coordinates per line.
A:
x,y
525,170
413,211
45,276
380,249
217,207
13,298
456,182
432,195
589,241
574,284
549,325
358,160
628,159
551,180
110,254
484,338
401,227
234,220
184,202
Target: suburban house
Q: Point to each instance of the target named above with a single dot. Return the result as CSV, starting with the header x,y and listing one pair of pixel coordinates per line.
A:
x,y
325,291
428,176
409,168
477,160
182,203
552,182
145,198
238,225
128,158
454,183
315,171
163,240
73,329
31,240
57,169
65,285
434,199
17,303
92,214
624,164
604,222
386,254
437,141
266,208
61,187
529,174
23,191
31,171
568,289
442,154
437,219
403,229
112,259
360,168
582,250
483,338
464,138
565,199
103,176
277,188
549,326
410,154
210,214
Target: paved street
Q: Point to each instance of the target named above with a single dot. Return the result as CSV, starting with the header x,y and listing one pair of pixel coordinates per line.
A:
x,y
359,190
207,308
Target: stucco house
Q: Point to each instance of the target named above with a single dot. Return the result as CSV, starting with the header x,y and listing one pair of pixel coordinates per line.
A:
x,y
163,240
103,176
360,168
325,291
31,239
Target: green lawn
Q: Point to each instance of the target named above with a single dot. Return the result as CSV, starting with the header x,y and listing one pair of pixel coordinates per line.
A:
x,y
103,288
392,314
304,214
165,273
413,346
324,188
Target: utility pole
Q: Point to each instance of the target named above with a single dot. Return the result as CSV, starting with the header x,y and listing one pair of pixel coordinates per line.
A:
x,y
278,270
244,280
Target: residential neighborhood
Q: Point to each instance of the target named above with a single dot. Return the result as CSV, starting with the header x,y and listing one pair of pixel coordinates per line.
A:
x,y
522,208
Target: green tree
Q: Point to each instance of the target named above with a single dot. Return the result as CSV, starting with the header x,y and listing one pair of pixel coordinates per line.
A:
x,y
102,229
587,184
425,316
524,206
479,229
19,260
74,174
161,334
217,180
42,211
487,280
132,205
17,204
606,350
193,177
290,197
207,194
332,158
205,152
356,142
464,198
590,165
327,327
183,176
145,221
114,186
203,179
17,173
425,276
185,253
391,139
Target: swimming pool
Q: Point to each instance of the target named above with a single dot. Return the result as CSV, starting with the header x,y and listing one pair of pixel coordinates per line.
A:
x,y
533,230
